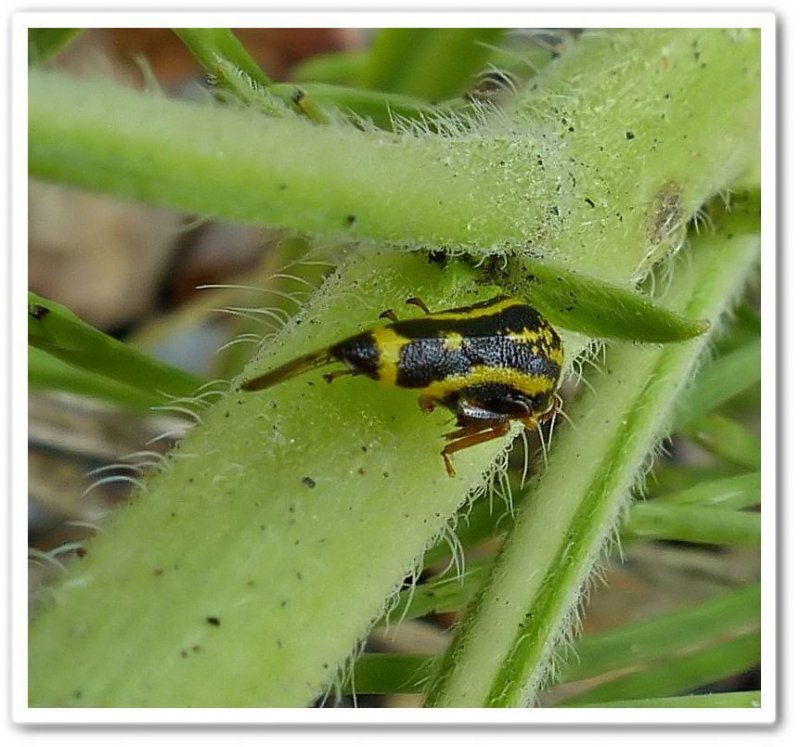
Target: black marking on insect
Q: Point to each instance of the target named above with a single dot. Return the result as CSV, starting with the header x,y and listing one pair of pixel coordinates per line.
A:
x,y
491,363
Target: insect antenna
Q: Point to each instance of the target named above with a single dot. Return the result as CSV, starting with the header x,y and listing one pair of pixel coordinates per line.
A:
x,y
287,370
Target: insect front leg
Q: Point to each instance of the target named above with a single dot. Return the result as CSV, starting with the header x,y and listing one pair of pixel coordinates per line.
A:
x,y
419,303
329,377
471,435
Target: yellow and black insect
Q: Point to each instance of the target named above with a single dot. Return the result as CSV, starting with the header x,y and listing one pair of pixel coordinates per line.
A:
x,y
490,363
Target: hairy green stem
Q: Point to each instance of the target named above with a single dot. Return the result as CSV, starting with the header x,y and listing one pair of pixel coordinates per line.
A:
x,y
599,165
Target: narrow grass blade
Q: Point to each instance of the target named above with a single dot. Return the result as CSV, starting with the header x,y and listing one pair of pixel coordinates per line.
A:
x,y
48,372
53,328
664,637
390,673
728,439
720,380
678,675
713,526
733,493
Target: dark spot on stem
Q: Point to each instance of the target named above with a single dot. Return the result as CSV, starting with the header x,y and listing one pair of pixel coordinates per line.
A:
x,y
666,214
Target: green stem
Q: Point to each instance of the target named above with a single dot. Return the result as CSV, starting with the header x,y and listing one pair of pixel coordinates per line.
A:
x,y
599,166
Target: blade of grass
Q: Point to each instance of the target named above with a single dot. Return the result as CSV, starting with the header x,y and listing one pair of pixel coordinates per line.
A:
x,y
727,439
389,673
437,595
713,526
48,372
664,637
720,380
678,675
732,493
443,63
55,329
391,51
339,68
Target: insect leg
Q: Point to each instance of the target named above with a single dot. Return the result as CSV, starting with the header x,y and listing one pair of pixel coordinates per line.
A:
x,y
468,430
420,303
470,438
329,377
390,315
426,403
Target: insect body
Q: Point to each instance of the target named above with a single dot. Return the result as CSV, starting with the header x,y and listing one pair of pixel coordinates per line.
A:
x,y
490,363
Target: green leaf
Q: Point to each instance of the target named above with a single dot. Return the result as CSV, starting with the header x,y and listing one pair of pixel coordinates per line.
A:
x,y
600,309
48,372
53,328
677,675
665,637
389,55
44,43
389,673
727,439
714,526
339,68
732,493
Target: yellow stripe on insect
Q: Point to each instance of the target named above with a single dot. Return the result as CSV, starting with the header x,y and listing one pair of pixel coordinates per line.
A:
x,y
390,345
539,341
475,313
526,383
453,341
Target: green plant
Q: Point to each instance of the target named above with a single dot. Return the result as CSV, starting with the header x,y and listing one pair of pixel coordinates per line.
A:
x,y
251,567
